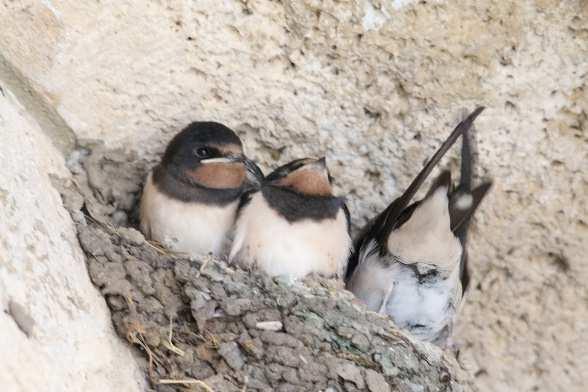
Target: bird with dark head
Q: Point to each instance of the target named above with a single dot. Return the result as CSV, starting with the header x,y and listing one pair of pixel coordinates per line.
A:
x,y
410,262
294,225
190,199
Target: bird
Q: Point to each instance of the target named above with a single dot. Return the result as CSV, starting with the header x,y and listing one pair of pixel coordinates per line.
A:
x,y
410,262
190,199
294,225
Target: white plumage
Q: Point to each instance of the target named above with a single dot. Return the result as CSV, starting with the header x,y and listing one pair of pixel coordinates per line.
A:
x,y
193,228
295,249
417,283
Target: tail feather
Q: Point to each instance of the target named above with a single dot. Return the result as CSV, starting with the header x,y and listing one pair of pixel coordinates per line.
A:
x,y
460,224
391,214
398,211
467,160
464,201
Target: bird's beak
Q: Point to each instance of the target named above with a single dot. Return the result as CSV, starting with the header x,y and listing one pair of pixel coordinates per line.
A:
x,y
318,164
255,176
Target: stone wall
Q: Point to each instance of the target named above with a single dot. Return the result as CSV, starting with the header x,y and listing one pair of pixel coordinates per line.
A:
x,y
374,85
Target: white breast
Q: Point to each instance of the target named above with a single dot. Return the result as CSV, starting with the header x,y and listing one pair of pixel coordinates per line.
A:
x,y
193,228
423,309
278,247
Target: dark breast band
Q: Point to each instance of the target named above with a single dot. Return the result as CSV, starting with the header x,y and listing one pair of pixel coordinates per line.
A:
x,y
294,206
188,191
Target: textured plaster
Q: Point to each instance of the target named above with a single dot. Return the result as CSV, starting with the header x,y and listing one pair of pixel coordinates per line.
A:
x,y
55,329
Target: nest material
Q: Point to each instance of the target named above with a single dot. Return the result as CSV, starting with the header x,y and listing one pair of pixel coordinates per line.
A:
x,y
201,325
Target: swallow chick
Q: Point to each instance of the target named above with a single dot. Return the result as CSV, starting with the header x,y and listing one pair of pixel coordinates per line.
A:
x,y
190,200
410,262
294,225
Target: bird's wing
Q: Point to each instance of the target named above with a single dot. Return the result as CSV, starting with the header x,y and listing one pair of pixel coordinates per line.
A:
x,y
385,222
464,201
395,209
255,176
462,205
347,217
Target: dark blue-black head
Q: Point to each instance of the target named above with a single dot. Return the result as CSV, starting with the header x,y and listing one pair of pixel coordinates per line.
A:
x,y
201,140
209,155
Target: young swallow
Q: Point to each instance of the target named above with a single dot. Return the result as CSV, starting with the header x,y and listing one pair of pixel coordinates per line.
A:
x,y
190,199
410,261
294,225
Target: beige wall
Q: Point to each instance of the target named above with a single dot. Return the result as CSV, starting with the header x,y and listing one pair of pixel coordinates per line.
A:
x,y
376,86
55,330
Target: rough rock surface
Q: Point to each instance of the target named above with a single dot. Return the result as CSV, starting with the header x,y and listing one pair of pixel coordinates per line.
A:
x,y
55,328
375,85
200,323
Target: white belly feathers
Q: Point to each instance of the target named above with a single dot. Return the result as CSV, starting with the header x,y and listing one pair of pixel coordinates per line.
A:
x,y
294,249
424,309
184,227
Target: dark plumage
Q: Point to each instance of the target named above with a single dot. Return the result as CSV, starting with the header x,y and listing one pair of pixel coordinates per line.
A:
x,y
410,262
180,150
399,210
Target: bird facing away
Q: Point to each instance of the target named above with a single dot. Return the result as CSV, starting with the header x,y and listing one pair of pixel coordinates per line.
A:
x,y
190,199
410,262
294,225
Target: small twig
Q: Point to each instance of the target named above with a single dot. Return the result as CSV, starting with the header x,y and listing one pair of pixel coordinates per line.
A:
x,y
136,336
151,243
204,264
105,226
191,381
151,356
385,300
199,336
157,247
244,389
171,345
160,248
212,340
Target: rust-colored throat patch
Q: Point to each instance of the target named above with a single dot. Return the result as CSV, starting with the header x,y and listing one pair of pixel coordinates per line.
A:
x,y
308,181
217,175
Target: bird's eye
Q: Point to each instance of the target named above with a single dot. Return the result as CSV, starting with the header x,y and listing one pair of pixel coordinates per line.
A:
x,y
202,152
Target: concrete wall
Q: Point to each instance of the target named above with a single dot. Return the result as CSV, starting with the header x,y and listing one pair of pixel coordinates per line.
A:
x,y
374,85
55,330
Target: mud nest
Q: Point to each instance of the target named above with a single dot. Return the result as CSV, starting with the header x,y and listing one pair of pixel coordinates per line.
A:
x,y
202,325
